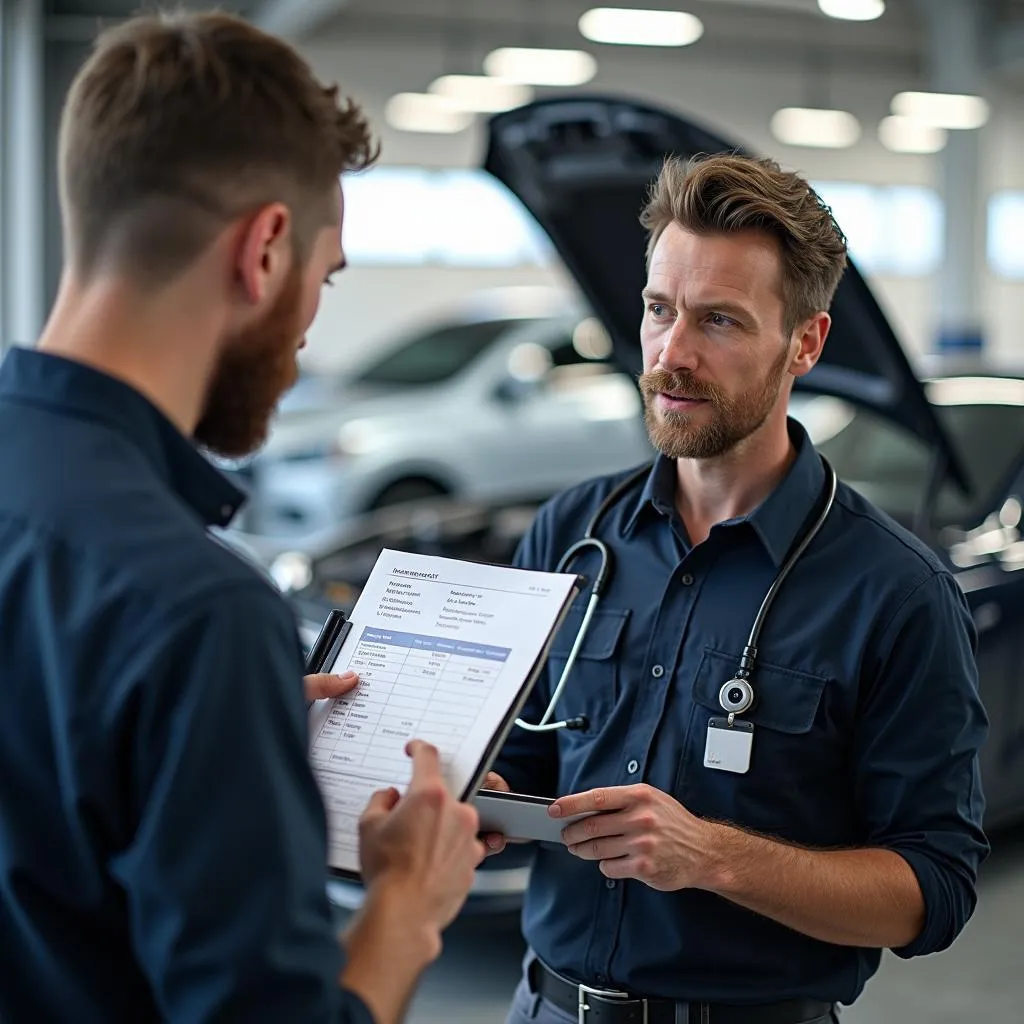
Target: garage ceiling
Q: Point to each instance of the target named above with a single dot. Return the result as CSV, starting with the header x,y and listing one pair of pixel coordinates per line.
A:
x,y
787,29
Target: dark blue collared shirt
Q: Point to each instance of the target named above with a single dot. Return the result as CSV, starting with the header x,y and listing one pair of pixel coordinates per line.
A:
x,y
162,840
867,729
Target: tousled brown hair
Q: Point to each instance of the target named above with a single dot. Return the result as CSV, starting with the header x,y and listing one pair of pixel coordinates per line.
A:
x,y
729,193
179,123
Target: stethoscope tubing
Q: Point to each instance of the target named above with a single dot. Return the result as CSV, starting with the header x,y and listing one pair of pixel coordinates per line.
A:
x,y
589,540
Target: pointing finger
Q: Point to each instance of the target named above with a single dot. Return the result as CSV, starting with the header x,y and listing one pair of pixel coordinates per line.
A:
x,y
380,803
426,762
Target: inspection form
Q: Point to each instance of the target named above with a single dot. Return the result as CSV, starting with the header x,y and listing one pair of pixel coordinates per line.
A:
x,y
446,651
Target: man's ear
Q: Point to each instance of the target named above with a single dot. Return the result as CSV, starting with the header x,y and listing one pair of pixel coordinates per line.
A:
x,y
263,251
810,340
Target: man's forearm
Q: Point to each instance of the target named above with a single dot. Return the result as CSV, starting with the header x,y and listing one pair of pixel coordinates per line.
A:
x,y
867,897
386,954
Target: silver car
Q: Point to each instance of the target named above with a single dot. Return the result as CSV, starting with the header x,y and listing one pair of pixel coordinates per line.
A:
x,y
515,401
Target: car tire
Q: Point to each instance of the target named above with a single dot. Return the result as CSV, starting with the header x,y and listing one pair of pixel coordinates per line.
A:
x,y
411,489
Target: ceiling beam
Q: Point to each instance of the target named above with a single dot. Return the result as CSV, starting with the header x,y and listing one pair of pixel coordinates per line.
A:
x,y
295,19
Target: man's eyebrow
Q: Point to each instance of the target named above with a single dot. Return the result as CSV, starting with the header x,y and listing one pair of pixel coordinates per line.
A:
x,y
725,306
729,308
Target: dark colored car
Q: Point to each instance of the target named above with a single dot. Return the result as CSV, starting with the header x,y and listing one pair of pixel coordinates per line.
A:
x,y
942,456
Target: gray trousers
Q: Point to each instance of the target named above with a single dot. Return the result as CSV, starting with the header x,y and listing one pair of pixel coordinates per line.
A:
x,y
529,1008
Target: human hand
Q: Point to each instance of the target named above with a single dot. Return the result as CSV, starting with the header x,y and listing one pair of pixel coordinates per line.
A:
x,y
422,846
495,841
323,684
640,832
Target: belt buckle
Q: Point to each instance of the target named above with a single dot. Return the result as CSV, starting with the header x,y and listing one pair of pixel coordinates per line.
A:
x,y
605,993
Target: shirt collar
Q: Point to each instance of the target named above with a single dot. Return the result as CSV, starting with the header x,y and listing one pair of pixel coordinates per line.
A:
x,y
778,518
38,378
785,512
659,494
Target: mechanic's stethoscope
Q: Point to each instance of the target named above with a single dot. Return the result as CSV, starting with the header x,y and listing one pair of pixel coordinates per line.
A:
x,y
737,695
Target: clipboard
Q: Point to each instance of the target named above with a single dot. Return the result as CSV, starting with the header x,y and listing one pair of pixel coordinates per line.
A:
x,y
337,629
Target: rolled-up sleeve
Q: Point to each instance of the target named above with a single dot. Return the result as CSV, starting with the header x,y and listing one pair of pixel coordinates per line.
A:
x,y
225,874
916,755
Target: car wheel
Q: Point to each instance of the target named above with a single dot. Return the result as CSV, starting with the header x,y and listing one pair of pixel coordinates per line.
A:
x,y
403,491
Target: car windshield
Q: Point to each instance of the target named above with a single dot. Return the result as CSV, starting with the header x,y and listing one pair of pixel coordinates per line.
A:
x,y
890,466
436,356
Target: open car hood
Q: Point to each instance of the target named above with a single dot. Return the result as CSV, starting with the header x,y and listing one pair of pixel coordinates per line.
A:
x,y
582,166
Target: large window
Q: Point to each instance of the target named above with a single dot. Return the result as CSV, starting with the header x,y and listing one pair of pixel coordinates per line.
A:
x,y
413,215
894,230
465,218
1006,234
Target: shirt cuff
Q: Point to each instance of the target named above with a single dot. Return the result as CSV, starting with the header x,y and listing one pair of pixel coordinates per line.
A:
x,y
947,906
354,1010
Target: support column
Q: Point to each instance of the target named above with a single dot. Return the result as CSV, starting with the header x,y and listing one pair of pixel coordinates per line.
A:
x,y
955,35
22,181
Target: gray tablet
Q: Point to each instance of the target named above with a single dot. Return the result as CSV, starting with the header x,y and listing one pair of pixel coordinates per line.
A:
x,y
518,816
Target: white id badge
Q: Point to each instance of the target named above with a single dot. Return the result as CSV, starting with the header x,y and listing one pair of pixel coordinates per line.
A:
x,y
728,747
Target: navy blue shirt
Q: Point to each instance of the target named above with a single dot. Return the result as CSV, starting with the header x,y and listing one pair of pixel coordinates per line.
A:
x,y
867,729
162,840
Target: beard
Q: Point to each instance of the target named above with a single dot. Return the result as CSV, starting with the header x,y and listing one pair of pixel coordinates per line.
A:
x,y
733,419
255,368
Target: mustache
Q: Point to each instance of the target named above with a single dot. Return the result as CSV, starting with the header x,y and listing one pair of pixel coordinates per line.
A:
x,y
681,383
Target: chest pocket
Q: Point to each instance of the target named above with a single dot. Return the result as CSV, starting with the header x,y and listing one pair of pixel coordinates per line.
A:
x,y
594,684
795,748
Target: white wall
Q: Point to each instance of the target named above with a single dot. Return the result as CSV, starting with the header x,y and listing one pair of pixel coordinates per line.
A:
x,y
737,99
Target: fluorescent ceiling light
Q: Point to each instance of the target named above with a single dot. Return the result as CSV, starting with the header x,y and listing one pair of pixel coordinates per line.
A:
x,y
905,135
853,10
942,109
424,112
822,129
640,28
481,93
541,67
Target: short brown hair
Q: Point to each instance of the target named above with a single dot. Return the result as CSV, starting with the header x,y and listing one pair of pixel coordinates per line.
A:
x,y
726,194
179,123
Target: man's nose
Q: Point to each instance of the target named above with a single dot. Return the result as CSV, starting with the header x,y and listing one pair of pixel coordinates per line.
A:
x,y
680,350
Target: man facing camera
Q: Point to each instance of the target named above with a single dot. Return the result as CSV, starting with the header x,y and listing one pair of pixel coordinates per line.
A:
x,y
162,839
776,810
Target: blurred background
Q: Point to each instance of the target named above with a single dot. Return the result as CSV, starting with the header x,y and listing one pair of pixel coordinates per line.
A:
x,y
458,373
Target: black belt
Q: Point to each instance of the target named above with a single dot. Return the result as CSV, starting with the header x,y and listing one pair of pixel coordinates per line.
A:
x,y
605,1006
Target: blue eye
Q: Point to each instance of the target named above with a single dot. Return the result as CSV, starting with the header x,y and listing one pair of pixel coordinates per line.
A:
x,y
720,320
657,308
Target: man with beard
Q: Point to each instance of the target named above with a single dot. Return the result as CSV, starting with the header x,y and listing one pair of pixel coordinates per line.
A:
x,y
749,862
162,839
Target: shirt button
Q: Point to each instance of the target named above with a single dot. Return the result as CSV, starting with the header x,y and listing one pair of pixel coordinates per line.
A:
x,y
609,883
687,579
633,767
658,671
225,511
602,978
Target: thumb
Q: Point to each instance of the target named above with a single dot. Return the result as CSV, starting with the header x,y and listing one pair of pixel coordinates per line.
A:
x,y
495,782
324,684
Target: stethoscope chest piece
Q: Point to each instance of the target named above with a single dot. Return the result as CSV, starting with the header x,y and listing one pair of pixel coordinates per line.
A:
x,y
736,696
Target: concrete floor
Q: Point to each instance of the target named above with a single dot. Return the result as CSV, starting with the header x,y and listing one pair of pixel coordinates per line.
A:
x,y
981,978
